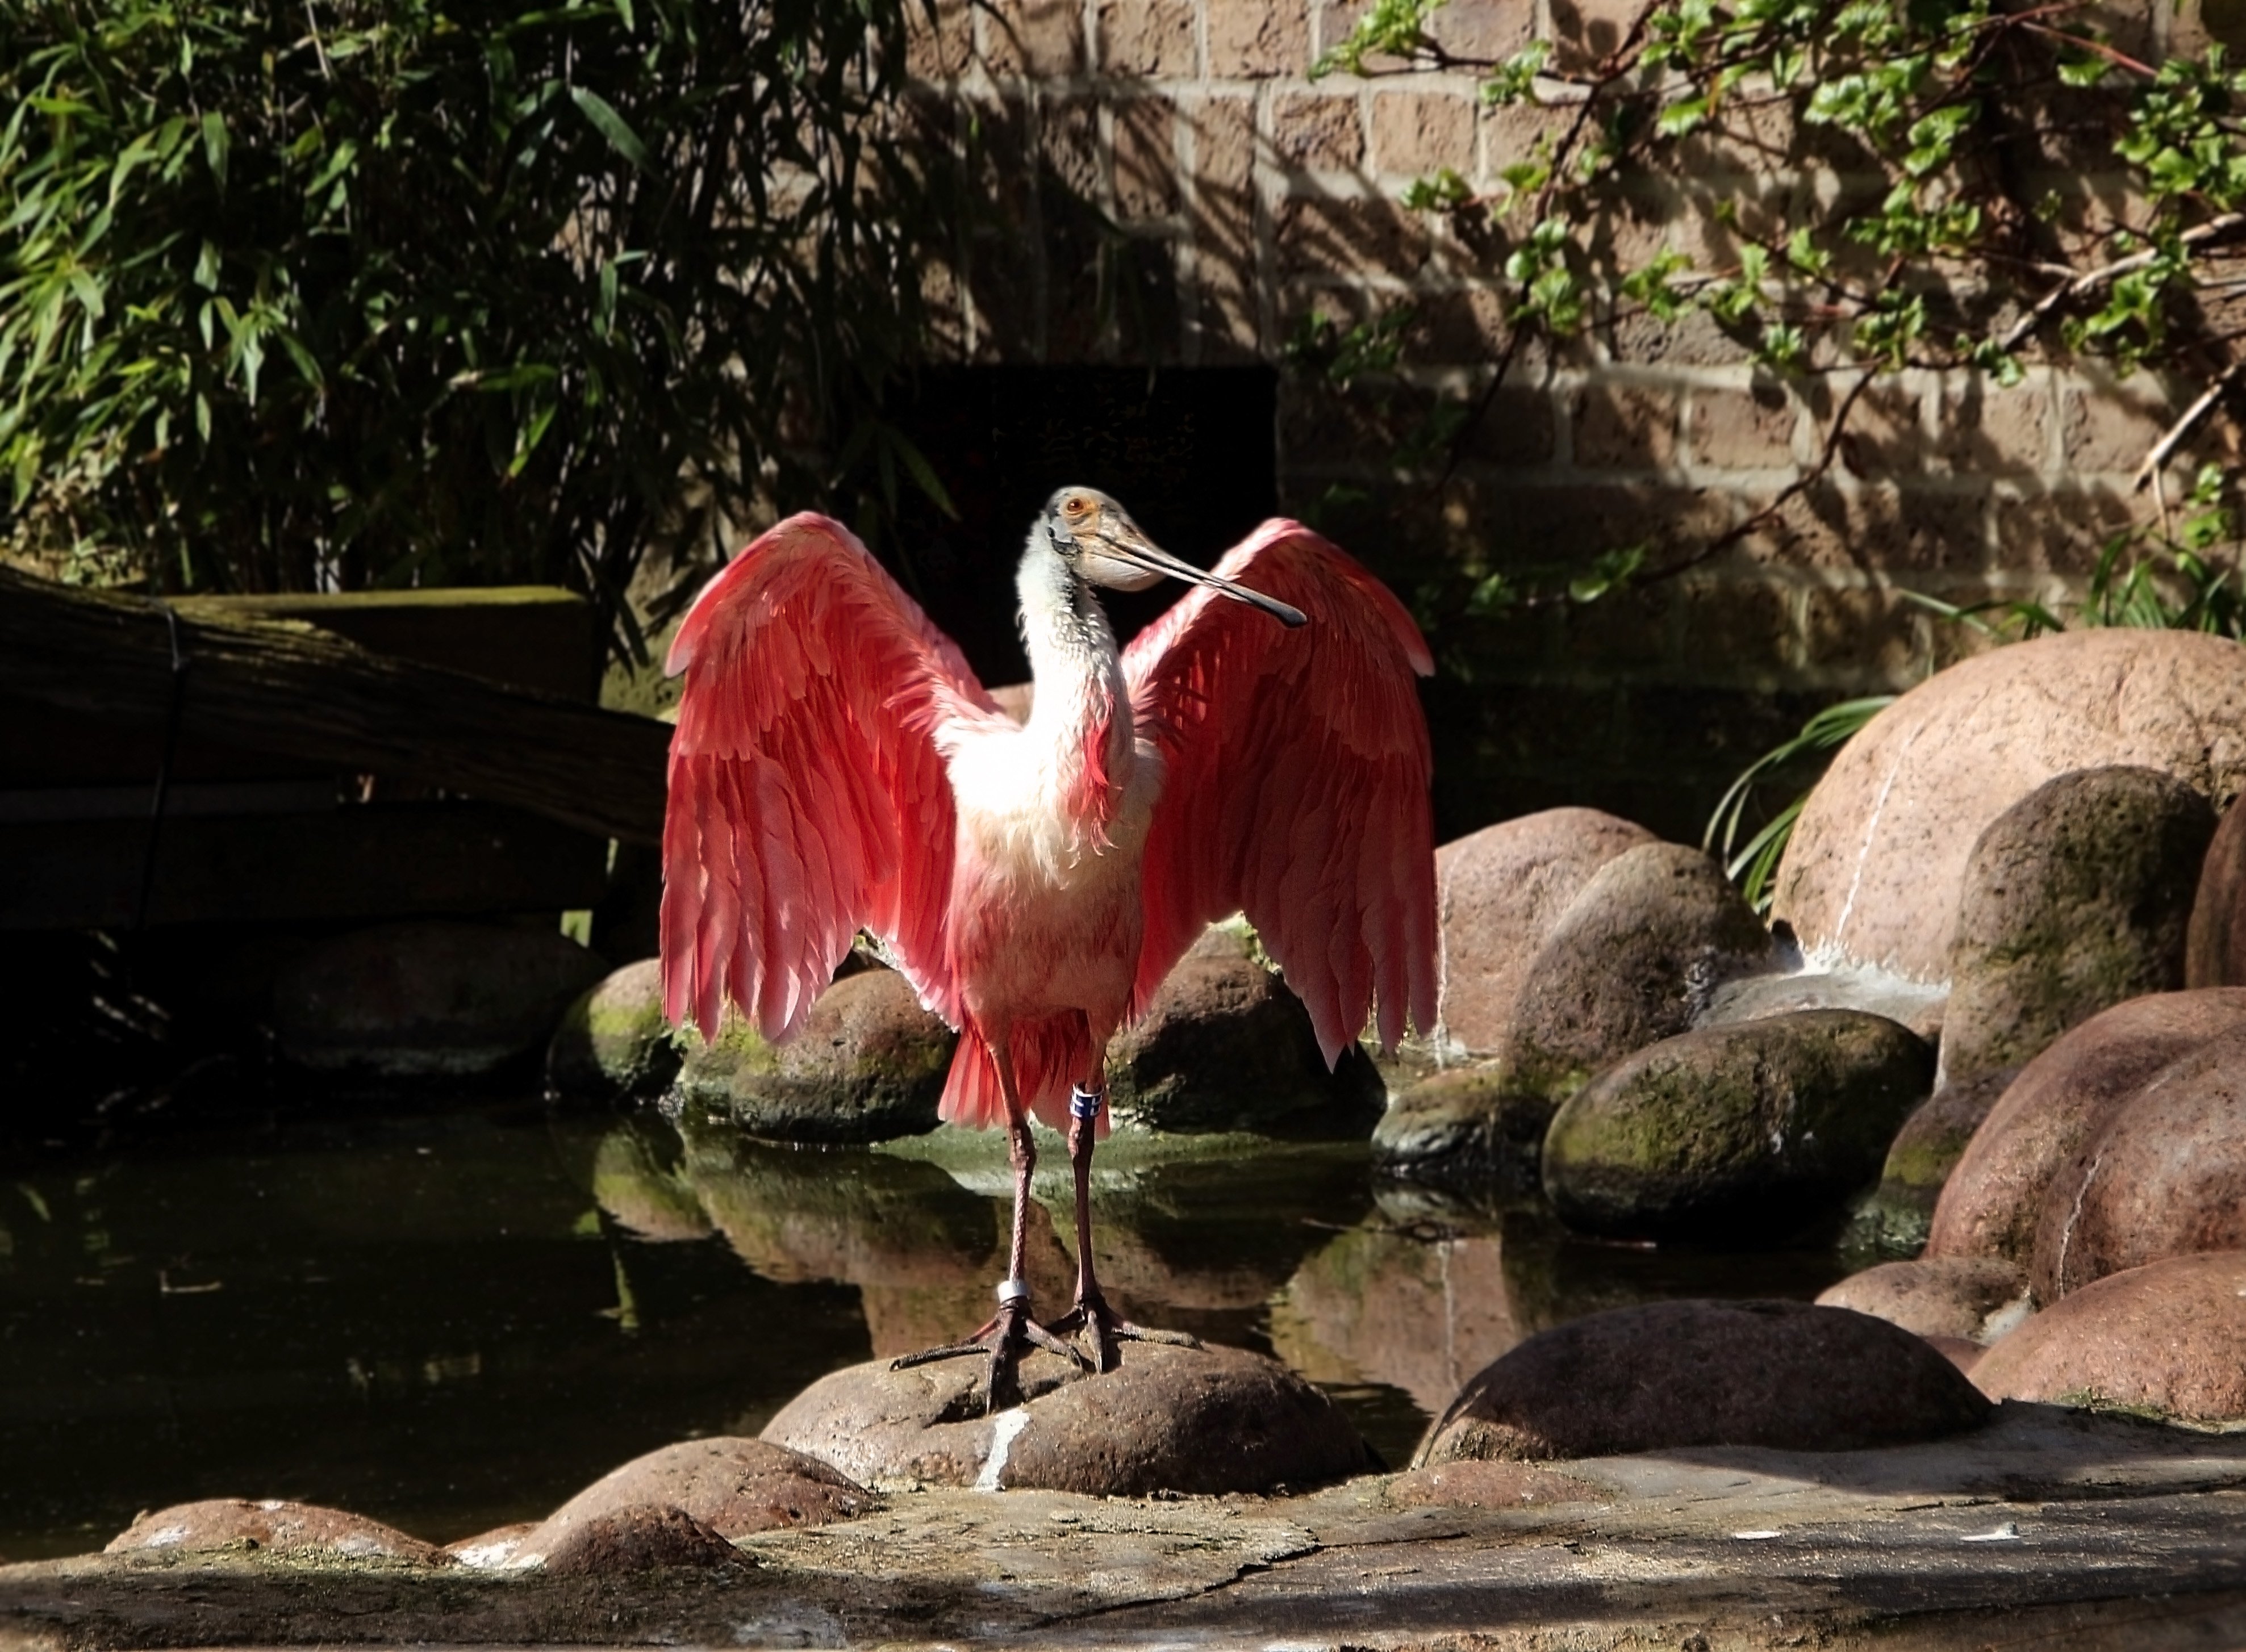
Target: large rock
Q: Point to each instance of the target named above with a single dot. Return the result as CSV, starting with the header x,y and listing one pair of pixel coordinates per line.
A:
x,y
428,999
1993,1199
2166,1176
1648,936
636,1538
1875,871
2214,948
1900,1213
1975,1299
1744,1132
869,1065
1226,1046
1205,1420
1466,1127
1671,1374
2076,898
2168,1337
728,1484
613,1040
284,1527
1499,892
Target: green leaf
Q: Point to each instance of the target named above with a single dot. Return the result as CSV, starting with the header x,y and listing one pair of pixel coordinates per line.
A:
x,y
215,145
610,125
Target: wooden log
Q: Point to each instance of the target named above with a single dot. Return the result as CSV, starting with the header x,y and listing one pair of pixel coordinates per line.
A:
x,y
291,689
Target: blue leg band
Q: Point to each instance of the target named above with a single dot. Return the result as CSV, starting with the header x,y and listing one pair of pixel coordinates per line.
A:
x,y
1084,1104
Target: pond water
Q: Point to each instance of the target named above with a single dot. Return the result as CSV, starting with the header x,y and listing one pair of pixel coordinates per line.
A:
x,y
452,1320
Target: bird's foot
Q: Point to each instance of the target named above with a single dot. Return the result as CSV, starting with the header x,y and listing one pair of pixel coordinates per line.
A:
x,y
1104,1328
1007,1335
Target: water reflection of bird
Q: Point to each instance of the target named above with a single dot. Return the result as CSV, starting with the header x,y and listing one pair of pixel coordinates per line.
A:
x,y
838,767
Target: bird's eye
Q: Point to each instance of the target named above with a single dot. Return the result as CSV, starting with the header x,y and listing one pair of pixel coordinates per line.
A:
x,y
1077,507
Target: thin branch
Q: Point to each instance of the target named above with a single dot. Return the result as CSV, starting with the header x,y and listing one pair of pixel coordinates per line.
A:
x,y
2093,278
1794,490
2150,469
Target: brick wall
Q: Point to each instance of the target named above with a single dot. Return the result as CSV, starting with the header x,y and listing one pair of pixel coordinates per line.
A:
x,y
1168,184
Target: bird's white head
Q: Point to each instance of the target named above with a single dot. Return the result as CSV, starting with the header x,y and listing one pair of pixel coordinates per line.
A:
x,y
1099,543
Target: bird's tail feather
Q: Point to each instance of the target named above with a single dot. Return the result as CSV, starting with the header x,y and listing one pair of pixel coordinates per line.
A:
x,y
1049,1054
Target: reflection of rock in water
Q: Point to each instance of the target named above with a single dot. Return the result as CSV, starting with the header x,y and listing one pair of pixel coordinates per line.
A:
x,y
863,1218
1217,1235
1552,1275
1421,1314
636,1180
901,1317
797,1213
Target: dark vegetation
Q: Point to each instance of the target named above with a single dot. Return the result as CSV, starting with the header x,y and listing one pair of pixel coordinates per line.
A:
x,y
367,293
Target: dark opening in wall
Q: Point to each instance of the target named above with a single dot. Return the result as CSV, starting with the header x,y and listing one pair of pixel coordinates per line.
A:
x,y
1189,451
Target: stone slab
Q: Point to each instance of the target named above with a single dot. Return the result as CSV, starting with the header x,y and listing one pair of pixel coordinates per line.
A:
x,y
2048,1520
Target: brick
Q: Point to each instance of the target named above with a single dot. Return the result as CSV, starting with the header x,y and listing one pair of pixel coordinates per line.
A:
x,y
2060,530
1624,427
1033,39
1320,234
1148,39
1068,138
1512,132
1458,327
1146,158
1988,431
1694,339
2112,426
1420,132
1517,429
1223,132
1000,171
1316,134
939,48
1876,632
1251,39
1744,429
1738,628
1902,530
1483,31
1886,435
1529,525
1585,31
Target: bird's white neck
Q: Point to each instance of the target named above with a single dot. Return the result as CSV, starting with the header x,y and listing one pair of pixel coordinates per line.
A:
x,y
1080,713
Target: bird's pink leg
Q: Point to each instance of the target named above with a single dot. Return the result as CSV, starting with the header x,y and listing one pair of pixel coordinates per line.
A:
x,y
1010,1332
1092,1314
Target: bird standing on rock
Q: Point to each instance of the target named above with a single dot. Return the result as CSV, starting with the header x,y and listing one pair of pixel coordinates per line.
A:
x,y
837,767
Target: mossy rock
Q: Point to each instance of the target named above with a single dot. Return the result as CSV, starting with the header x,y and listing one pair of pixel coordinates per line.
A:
x,y
1225,1046
869,1065
1629,963
1468,1127
1743,1134
2077,897
613,1040
1898,1216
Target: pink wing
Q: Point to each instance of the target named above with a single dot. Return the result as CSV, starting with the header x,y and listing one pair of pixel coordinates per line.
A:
x,y
1297,784
807,798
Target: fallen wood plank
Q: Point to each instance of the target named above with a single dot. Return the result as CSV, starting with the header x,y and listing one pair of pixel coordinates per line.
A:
x,y
294,689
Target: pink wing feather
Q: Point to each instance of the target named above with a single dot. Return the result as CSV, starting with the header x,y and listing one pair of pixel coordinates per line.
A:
x,y
1296,786
807,797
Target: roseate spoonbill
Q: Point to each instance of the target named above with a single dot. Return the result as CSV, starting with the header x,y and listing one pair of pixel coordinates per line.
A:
x,y
837,767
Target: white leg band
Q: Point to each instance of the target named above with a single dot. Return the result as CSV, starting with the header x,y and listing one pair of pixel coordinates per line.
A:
x,y
1013,1290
